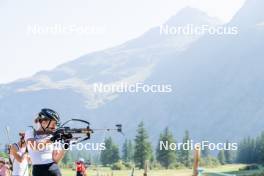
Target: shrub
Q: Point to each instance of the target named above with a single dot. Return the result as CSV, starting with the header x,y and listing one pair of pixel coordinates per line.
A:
x,y
156,165
209,162
118,166
176,166
128,165
250,167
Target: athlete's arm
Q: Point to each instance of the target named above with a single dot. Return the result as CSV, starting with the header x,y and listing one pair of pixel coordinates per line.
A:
x,y
13,151
57,155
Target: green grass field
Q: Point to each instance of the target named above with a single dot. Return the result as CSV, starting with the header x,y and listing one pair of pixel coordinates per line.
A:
x,y
108,172
223,169
232,170
183,172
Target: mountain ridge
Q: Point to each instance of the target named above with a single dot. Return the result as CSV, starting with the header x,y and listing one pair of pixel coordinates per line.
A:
x,y
214,84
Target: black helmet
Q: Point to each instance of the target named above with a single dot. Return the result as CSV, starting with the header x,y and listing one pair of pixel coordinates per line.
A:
x,y
48,114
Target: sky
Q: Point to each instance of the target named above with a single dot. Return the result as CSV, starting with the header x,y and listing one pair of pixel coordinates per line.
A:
x,y
31,36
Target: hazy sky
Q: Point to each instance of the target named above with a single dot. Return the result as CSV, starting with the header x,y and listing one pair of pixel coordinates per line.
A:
x,y
23,53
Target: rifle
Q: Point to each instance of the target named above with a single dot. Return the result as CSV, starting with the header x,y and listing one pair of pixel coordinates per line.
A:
x,y
65,134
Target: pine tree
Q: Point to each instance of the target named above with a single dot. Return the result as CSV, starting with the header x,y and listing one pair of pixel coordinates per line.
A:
x,y
166,157
242,151
115,154
221,157
228,154
185,155
257,152
205,152
127,151
143,150
260,148
111,153
130,150
249,151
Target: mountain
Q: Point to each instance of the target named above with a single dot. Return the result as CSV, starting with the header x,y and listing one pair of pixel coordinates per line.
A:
x,y
251,14
216,81
219,81
131,62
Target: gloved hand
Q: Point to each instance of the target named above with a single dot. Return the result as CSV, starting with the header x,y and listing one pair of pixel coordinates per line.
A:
x,y
66,144
67,140
66,137
57,136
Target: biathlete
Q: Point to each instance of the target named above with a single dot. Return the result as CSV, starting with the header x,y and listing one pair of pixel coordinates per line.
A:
x,y
19,157
44,156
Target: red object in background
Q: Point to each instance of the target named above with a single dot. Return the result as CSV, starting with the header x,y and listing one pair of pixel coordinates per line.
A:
x,y
80,167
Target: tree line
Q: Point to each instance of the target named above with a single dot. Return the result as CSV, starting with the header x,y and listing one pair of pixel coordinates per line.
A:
x,y
136,152
251,150
140,150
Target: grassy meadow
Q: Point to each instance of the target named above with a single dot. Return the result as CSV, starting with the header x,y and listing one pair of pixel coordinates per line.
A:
x,y
230,169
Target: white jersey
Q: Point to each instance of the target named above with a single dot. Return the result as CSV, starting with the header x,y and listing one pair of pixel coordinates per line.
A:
x,y
19,169
39,157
